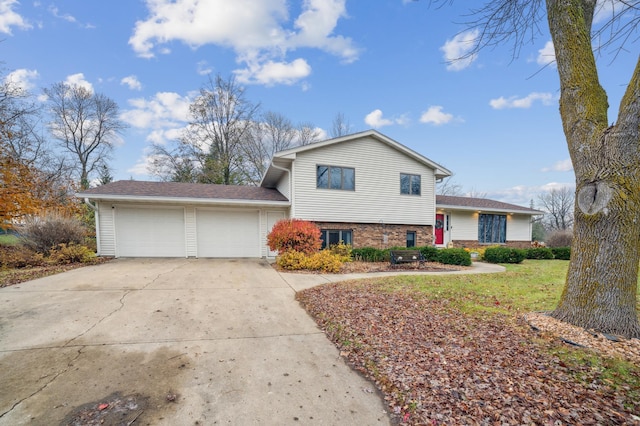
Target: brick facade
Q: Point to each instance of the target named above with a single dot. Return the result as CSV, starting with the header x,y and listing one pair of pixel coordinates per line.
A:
x,y
373,234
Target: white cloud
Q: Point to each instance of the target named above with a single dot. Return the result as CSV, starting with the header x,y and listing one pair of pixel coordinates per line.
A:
x,y
79,81
10,18
204,68
434,115
166,110
560,166
64,16
260,32
556,185
526,102
375,120
142,166
547,54
270,73
457,50
607,9
23,78
132,81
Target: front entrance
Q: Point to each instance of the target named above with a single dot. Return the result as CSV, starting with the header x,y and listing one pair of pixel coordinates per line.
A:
x,y
439,229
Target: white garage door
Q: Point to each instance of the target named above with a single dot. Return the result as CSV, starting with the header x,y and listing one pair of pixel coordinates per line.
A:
x,y
228,233
150,232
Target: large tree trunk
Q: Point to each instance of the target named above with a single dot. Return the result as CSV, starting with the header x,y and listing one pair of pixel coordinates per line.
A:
x,y
601,286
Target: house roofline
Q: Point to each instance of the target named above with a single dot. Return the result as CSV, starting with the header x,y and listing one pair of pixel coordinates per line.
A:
x,y
185,200
441,171
488,209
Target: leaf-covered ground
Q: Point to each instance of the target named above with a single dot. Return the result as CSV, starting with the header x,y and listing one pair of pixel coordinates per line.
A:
x,y
16,276
436,365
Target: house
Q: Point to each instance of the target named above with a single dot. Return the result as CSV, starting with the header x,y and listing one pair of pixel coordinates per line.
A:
x,y
364,189
473,222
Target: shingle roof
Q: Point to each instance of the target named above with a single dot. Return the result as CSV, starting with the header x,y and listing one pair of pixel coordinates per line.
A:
x,y
134,188
481,204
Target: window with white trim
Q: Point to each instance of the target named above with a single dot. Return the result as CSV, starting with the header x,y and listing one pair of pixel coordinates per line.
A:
x,y
409,184
333,177
331,237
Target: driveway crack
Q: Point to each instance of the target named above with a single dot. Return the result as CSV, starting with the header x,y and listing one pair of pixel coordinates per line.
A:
x,y
122,303
47,384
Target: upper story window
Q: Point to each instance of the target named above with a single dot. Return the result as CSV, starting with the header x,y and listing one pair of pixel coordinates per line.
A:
x,y
332,177
409,184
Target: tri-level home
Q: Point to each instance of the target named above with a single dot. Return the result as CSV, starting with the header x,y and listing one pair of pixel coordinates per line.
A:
x,y
364,189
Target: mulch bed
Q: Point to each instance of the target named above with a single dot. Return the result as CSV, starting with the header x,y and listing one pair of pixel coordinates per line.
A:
x,y
436,365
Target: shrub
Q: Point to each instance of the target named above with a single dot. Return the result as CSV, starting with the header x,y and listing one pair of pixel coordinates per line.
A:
x,y
72,253
44,233
454,256
370,254
294,234
504,255
343,251
19,256
323,261
561,253
539,253
560,238
430,253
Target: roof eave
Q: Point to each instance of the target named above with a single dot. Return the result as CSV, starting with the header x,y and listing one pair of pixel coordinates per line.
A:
x,y
184,200
488,209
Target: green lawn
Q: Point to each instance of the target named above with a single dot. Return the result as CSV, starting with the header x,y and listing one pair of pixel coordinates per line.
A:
x,y
533,285
8,240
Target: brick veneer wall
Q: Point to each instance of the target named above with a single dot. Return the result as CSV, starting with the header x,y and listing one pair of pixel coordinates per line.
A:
x,y
371,234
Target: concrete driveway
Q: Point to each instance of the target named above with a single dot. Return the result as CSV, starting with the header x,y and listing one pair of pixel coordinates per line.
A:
x,y
172,342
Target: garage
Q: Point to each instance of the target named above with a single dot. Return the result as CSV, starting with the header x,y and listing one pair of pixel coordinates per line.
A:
x,y
150,232
228,233
178,219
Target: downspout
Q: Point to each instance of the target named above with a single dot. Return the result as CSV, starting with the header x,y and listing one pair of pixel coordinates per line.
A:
x,y
97,220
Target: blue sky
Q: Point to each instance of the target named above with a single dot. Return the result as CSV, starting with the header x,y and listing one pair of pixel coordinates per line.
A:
x,y
493,120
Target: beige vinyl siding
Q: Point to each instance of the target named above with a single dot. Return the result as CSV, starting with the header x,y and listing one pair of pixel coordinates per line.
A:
x,y
518,227
107,230
191,231
283,185
377,195
464,225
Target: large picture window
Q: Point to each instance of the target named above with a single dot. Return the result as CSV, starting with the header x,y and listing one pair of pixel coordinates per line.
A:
x,y
409,184
492,228
332,237
332,177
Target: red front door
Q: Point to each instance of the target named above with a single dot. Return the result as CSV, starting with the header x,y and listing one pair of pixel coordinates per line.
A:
x,y
439,229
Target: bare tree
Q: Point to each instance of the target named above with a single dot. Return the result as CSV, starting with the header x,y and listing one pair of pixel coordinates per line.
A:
x,y
340,126
307,133
474,193
449,187
86,124
273,133
24,141
601,285
221,123
558,207
175,165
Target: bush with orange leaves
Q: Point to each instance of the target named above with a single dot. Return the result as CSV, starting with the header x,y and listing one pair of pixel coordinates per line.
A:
x,y
294,235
